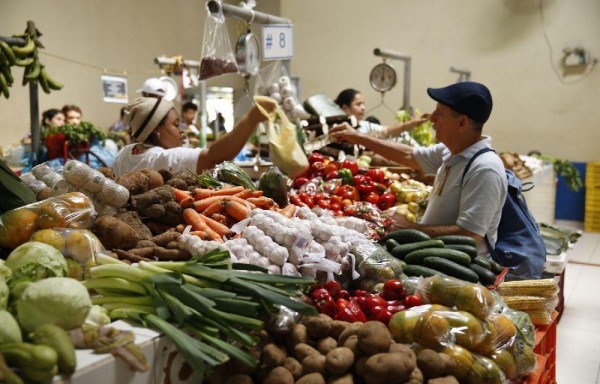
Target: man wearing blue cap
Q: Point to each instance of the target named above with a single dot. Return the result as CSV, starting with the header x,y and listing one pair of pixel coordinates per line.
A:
x,y
471,206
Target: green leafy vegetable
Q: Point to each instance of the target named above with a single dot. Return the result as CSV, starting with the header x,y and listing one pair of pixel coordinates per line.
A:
x,y
566,169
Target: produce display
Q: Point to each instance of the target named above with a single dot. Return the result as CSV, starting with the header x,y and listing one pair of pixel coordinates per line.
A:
x,y
255,284
537,298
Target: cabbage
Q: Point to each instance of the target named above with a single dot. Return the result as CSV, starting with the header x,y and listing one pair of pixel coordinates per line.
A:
x,y
5,272
9,331
97,317
4,292
60,301
34,261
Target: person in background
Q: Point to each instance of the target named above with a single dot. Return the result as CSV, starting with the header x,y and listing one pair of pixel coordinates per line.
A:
x,y
152,87
72,114
471,206
353,104
188,115
119,125
52,118
156,130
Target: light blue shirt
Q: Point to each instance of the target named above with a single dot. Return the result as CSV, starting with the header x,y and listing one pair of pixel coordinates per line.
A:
x,y
475,204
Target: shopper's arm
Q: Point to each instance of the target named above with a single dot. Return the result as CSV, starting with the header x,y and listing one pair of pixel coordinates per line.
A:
x,y
230,144
397,129
397,152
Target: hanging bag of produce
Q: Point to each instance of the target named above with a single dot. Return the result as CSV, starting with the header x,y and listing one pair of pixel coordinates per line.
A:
x,y
284,149
217,55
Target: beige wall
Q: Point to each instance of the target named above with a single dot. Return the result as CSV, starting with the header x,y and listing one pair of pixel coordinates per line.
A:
x,y
501,42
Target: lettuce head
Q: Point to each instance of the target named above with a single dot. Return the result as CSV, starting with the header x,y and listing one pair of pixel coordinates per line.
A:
x,y
34,261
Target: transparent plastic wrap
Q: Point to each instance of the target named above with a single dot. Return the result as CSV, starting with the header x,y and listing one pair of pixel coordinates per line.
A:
x,y
72,210
45,173
283,322
521,320
470,368
274,81
375,264
438,327
446,290
217,55
78,246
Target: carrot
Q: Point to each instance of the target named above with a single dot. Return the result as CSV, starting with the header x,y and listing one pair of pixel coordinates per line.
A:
x,y
215,207
181,195
236,210
228,191
257,193
201,234
194,219
202,193
241,201
244,194
221,229
262,202
219,217
288,211
202,205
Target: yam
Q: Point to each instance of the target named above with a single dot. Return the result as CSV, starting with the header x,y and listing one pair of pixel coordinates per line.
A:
x,y
134,221
165,238
166,174
373,338
177,183
156,179
136,182
145,244
115,234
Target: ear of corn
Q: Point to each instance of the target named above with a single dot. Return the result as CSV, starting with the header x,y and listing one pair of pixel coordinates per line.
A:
x,y
542,317
526,303
543,287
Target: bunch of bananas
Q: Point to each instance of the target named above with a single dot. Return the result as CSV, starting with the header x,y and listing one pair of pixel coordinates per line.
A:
x,y
24,56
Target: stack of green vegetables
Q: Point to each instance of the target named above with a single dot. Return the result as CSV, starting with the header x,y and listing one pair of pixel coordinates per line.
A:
x,y
223,304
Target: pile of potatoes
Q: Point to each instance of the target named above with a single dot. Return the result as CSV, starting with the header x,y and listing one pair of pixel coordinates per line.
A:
x,y
320,350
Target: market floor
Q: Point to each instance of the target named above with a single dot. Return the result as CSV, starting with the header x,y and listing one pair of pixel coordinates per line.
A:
x,y
578,333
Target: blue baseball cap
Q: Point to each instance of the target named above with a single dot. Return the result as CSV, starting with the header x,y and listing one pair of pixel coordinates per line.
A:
x,y
469,98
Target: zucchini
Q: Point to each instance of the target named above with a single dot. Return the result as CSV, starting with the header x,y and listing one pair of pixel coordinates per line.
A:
x,y
457,239
451,269
391,244
402,250
405,236
485,263
417,257
419,270
468,249
486,276
496,268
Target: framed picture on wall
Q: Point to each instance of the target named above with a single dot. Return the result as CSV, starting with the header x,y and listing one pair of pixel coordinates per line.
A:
x,y
114,89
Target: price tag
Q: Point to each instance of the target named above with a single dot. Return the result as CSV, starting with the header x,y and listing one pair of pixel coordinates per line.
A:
x,y
277,41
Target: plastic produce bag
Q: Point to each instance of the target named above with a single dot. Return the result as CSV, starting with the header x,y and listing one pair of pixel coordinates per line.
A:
x,y
472,368
78,246
274,81
217,56
375,264
72,210
284,149
446,290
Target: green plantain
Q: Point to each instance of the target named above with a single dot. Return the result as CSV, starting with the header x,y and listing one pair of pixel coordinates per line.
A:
x,y
32,71
4,86
25,50
8,53
24,62
43,80
52,84
5,70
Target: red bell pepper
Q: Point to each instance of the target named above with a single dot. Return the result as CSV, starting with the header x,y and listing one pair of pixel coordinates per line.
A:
x,y
334,288
372,198
324,302
332,175
351,165
348,192
387,200
376,175
315,157
349,311
300,182
363,184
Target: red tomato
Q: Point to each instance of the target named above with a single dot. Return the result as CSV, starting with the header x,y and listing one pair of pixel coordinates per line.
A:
x,y
325,204
347,202
393,290
338,213
335,206
317,167
372,198
387,200
334,288
412,301
336,199
351,165
376,175
318,197
332,166
331,174
375,301
384,316
300,182
315,157
307,199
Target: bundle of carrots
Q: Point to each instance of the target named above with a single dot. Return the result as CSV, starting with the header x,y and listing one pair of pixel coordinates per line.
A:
x,y
212,212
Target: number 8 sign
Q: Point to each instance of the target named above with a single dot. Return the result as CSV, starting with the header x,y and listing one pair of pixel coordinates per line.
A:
x,y
278,41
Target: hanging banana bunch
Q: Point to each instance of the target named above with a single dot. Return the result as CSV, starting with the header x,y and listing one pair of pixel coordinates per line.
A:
x,y
24,56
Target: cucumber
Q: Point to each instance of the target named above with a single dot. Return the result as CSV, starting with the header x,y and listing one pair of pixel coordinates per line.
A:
x,y
419,270
485,263
417,257
402,250
405,236
496,268
486,276
468,249
391,244
451,268
457,239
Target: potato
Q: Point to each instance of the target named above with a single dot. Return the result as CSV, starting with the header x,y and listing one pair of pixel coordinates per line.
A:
x,y
444,380
302,351
293,366
314,363
318,327
383,368
404,350
339,360
279,375
360,366
239,379
416,377
449,364
343,379
430,362
272,356
350,330
352,344
373,338
312,378
297,336
337,327
327,344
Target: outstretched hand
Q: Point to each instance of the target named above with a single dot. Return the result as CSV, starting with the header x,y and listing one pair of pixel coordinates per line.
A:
x,y
267,103
344,132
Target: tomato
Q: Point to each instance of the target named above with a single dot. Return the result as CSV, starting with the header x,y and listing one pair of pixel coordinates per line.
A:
x,y
387,200
325,204
351,165
334,288
347,202
307,199
375,301
384,316
348,192
344,295
331,174
318,197
360,293
393,290
360,300
336,199
413,301
315,157
295,199
300,182
376,175
396,308
335,206
317,167
372,198
332,166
